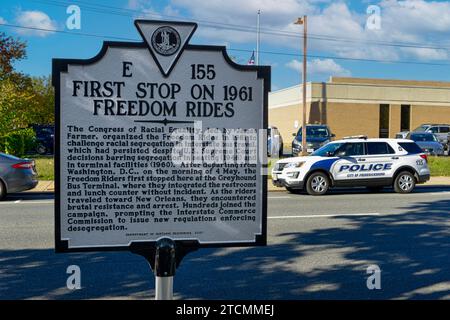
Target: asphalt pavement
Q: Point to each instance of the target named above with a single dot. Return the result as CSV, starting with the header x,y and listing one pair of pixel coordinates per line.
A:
x,y
318,248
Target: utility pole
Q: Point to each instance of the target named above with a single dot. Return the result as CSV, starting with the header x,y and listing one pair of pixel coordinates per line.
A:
x,y
304,22
258,37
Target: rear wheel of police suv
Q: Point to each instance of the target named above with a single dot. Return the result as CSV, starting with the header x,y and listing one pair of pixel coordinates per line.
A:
x,y
404,182
2,191
317,184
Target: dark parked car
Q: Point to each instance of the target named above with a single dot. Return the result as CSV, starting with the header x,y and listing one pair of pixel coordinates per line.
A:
x,y
317,135
45,138
16,174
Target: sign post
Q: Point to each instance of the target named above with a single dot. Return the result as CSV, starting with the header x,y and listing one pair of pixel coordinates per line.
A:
x,y
159,149
165,265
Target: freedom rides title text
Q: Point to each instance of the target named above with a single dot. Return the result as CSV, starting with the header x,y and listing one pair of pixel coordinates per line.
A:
x,y
163,99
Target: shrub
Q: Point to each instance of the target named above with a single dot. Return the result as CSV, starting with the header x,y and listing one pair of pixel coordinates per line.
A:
x,y
18,142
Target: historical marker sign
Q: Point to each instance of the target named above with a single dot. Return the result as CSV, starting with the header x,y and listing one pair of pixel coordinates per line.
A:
x,y
159,139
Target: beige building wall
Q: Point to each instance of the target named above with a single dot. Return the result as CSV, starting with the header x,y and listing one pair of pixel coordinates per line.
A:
x,y
421,114
284,119
348,119
351,106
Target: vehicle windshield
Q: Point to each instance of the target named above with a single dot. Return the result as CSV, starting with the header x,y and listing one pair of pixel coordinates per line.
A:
x,y
423,137
421,129
327,149
315,132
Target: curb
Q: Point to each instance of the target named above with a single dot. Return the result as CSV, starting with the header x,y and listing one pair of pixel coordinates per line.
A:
x,y
442,182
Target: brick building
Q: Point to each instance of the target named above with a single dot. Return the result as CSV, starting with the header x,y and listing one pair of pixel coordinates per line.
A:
x,y
354,106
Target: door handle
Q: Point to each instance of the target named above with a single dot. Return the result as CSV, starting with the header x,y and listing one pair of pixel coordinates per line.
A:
x,y
361,159
394,158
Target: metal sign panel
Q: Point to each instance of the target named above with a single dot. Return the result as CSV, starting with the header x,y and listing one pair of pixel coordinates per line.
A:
x,y
159,139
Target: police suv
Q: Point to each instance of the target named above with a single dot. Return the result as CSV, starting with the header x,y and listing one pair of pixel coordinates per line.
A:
x,y
355,162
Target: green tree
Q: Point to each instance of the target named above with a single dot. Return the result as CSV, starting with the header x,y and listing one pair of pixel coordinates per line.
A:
x,y
23,100
14,107
43,111
12,50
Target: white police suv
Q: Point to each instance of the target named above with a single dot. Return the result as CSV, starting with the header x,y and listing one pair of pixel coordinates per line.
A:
x,y
355,162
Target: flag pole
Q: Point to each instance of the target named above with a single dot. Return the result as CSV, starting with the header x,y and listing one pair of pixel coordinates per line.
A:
x,y
258,37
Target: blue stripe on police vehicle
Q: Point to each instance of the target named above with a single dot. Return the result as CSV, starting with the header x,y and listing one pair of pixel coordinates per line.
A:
x,y
355,162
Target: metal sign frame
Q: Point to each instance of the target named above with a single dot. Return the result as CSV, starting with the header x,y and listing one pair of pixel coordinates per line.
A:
x,y
147,248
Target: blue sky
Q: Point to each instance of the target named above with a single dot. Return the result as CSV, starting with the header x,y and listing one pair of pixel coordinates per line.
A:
x,y
343,34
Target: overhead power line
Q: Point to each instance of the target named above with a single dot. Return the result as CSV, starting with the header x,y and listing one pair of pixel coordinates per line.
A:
x,y
229,49
107,9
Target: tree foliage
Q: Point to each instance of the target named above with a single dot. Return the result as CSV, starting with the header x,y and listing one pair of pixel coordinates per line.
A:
x,y
24,100
12,50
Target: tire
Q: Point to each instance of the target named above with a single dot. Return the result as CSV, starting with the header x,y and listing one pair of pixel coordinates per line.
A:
x,y
375,189
317,184
2,190
404,182
41,149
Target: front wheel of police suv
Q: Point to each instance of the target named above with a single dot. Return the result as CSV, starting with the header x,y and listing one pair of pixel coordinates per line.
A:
x,y
317,184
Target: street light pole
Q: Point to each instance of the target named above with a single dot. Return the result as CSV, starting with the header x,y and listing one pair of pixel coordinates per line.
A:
x,y
258,37
304,22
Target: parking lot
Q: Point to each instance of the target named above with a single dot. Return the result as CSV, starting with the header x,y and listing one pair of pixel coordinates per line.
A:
x,y
318,248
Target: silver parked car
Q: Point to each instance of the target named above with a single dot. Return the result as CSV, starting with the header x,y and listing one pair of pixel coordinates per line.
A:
x,y
428,142
441,131
16,174
274,142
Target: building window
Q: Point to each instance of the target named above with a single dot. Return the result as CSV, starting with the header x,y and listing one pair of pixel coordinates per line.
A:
x,y
384,121
405,116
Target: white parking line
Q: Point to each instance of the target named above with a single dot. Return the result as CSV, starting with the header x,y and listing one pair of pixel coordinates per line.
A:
x,y
326,215
279,197
437,193
25,202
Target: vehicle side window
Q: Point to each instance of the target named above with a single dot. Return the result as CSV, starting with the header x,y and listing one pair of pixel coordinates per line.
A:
x,y
351,149
434,129
379,148
410,147
444,129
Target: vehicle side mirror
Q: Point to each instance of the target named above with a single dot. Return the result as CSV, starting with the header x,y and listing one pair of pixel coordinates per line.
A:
x,y
333,135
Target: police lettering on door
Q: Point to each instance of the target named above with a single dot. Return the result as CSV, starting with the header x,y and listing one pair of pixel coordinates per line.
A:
x,y
366,170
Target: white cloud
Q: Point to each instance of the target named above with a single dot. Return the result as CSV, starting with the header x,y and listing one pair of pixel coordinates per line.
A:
x,y
35,19
417,21
143,10
2,20
134,4
327,67
425,53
